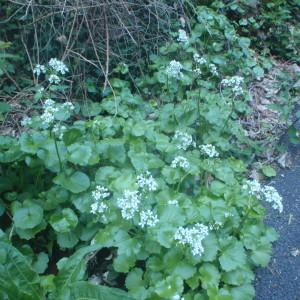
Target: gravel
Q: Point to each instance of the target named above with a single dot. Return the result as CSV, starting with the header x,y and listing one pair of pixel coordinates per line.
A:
x,y
281,279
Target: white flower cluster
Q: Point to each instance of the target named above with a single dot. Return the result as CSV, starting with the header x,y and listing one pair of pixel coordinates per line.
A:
x,y
148,218
174,69
254,188
26,121
199,60
129,204
234,82
192,237
68,105
98,208
55,67
173,202
39,69
183,140
54,79
58,66
49,110
182,36
99,194
272,196
268,193
209,150
147,182
59,130
181,162
213,69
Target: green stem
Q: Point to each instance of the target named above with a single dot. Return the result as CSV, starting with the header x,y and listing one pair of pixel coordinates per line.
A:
x,y
57,152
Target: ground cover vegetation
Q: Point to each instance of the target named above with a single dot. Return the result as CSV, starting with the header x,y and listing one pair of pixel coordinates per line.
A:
x,y
124,168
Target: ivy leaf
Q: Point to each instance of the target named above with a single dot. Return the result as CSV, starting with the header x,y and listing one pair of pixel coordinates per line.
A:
x,y
233,256
77,182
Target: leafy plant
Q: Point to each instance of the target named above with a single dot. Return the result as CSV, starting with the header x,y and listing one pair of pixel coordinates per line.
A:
x,y
150,196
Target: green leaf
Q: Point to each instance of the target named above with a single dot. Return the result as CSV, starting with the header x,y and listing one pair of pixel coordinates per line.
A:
x,y
67,239
77,182
64,221
79,154
41,263
233,256
4,107
209,276
73,268
239,276
169,287
17,279
28,216
70,136
135,284
268,171
88,291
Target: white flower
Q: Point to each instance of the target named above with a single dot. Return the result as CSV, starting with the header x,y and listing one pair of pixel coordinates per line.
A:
x,y
58,66
49,110
254,188
182,36
173,202
26,121
181,162
100,193
197,71
148,218
209,150
213,69
235,83
39,69
129,204
40,90
192,237
268,193
59,130
184,140
98,208
272,196
199,60
54,79
147,182
69,105
174,69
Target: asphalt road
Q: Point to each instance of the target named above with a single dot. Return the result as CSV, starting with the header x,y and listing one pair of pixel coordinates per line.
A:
x,y
281,279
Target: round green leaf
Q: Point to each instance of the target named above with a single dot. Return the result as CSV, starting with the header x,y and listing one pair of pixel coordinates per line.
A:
x,y
28,216
76,183
64,221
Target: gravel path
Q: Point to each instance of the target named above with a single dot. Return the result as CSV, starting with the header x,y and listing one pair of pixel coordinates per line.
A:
x,y
281,280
